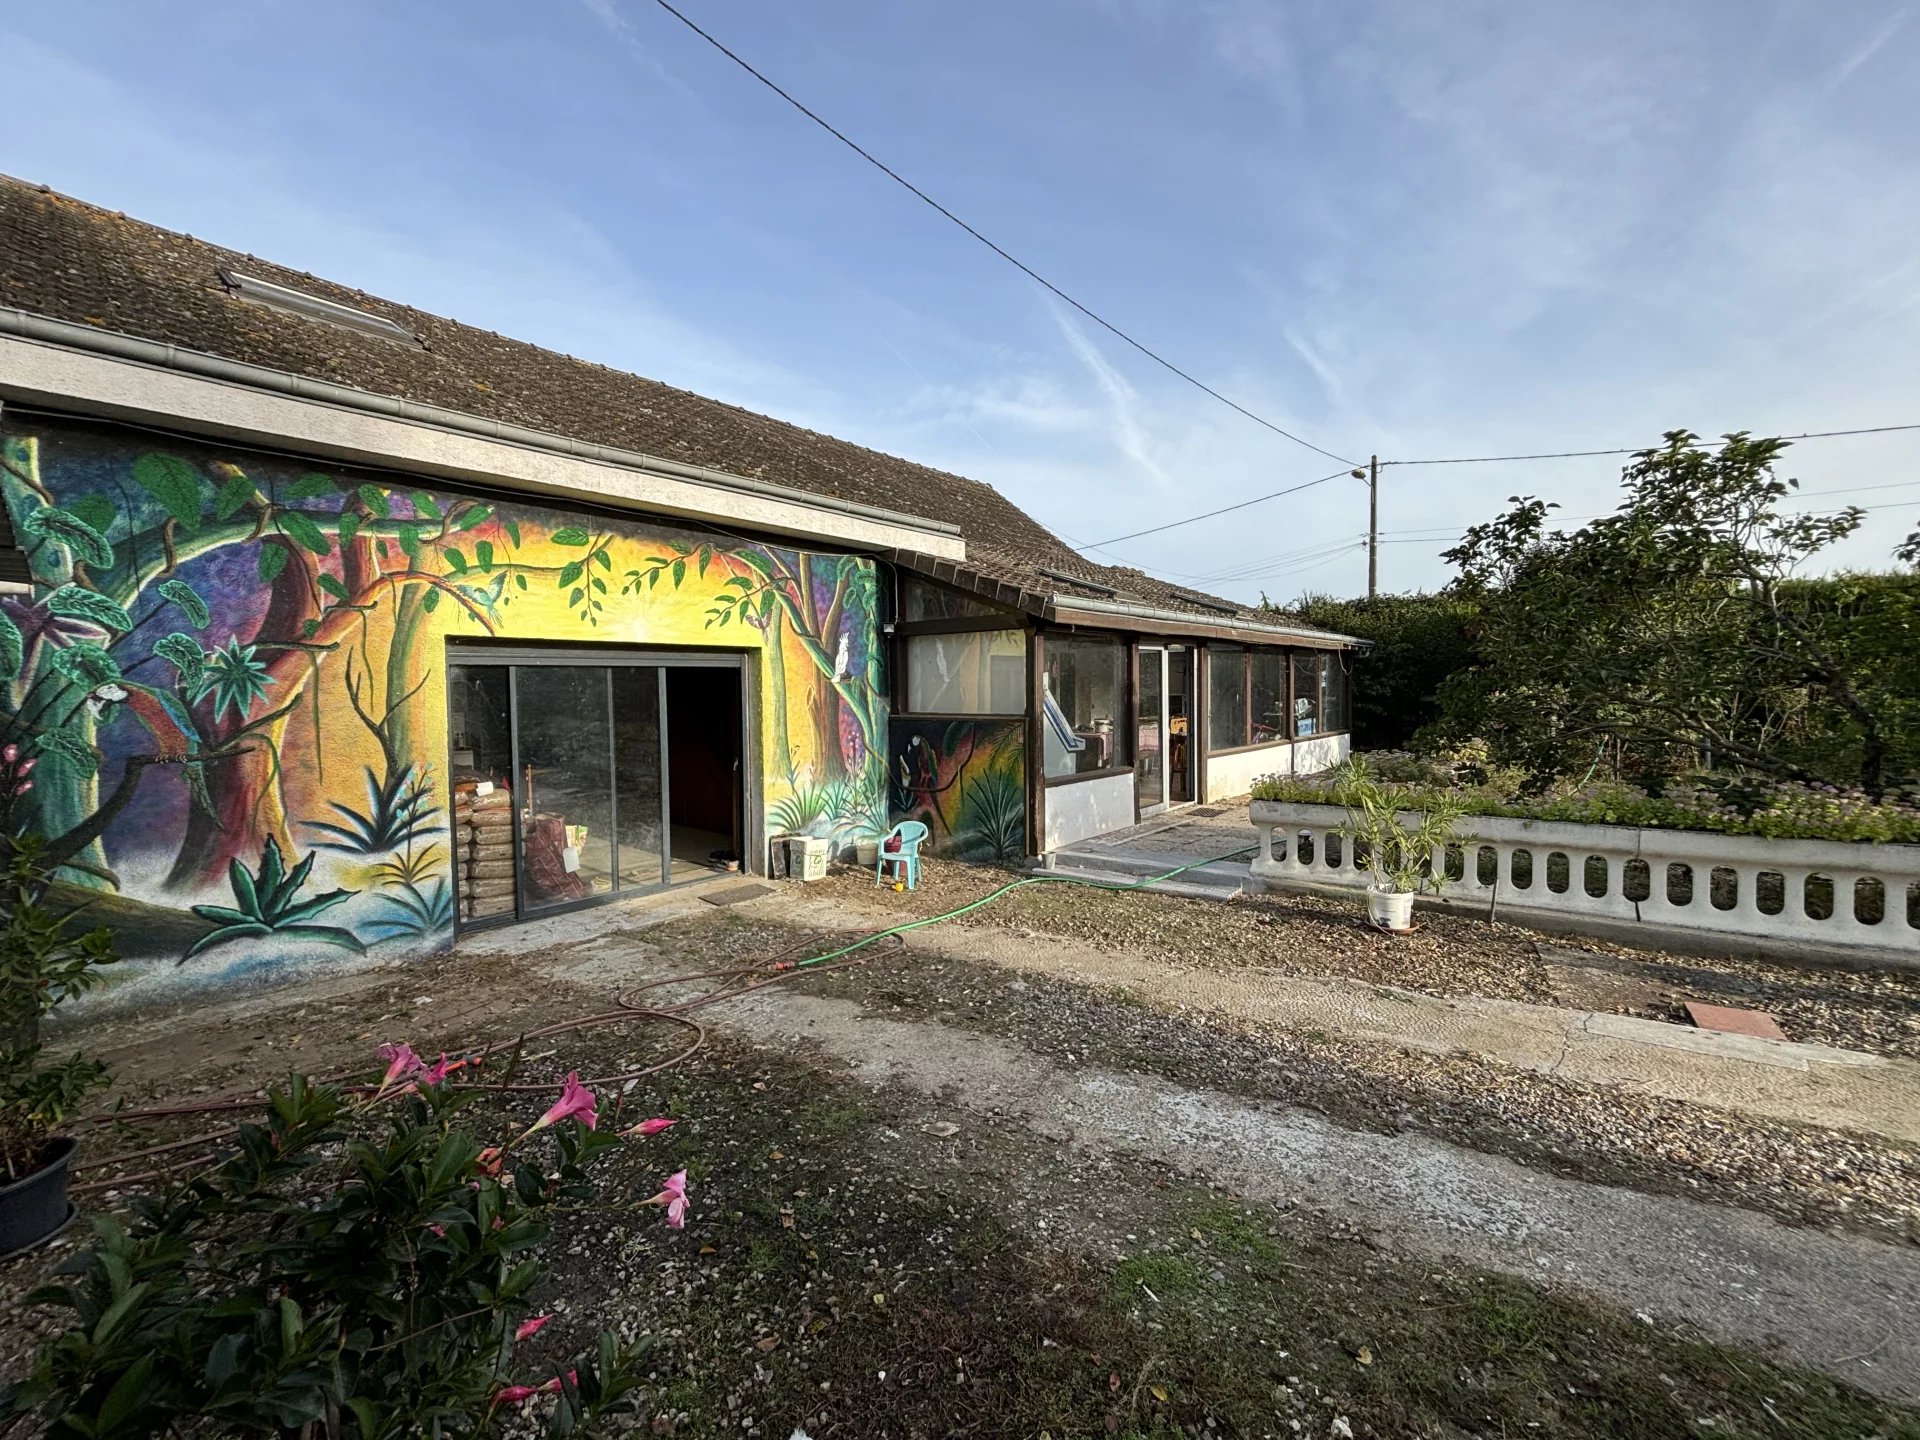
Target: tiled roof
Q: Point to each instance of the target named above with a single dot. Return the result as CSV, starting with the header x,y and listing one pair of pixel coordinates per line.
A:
x,y
71,261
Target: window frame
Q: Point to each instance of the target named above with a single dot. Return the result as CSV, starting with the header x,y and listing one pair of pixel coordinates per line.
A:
x,y
1127,645
1289,655
938,629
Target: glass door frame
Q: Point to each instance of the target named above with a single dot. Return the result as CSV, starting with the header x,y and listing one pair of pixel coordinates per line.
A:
x,y
1154,656
518,656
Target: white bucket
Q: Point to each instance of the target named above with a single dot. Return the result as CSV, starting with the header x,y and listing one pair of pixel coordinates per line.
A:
x,y
866,853
1390,909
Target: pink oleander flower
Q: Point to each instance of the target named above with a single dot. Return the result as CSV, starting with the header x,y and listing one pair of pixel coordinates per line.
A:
x,y
402,1064
25,767
674,1197
440,1231
530,1327
649,1127
436,1074
10,754
513,1394
488,1160
575,1103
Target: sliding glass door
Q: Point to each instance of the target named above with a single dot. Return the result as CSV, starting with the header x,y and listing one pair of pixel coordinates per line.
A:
x,y
1150,754
559,775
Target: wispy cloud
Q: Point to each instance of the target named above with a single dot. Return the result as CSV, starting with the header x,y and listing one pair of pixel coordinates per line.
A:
x,y
1123,401
1843,72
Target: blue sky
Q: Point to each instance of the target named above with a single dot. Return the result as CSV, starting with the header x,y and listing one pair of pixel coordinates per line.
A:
x,y
1392,226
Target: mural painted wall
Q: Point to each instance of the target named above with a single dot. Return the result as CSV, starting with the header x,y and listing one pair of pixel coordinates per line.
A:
x,y
966,780
224,703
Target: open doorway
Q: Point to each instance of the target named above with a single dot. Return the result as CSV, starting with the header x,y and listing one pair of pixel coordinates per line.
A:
x,y
704,776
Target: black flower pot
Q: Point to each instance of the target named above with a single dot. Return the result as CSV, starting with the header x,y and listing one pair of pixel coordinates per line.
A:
x,y
34,1209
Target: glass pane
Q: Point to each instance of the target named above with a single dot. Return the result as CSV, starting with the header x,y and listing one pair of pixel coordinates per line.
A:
x,y
566,783
481,768
979,672
1269,696
636,771
1226,697
1306,695
923,600
1085,682
1334,712
1150,755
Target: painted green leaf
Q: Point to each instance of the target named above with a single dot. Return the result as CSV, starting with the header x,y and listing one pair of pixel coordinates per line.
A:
x,y
573,597
71,533
183,652
483,554
348,528
605,560
188,600
332,586
512,527
742,581
424,507
457,560
679,572
308,487
84,758
175,484
571,535
570,572
432,602
706,558
233,497
85,664
478,515
96,512
521,581
410,542
309,629
375,499
653,578
273,559
76,602
599,584
298,525
12,647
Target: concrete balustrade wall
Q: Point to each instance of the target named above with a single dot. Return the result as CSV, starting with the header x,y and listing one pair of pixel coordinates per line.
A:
x,y
1611,880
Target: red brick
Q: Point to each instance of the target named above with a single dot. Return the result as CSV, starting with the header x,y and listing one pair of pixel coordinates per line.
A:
x,y
1736,1022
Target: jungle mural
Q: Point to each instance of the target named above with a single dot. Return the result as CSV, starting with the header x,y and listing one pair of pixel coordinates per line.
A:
x,y
966,780
224,703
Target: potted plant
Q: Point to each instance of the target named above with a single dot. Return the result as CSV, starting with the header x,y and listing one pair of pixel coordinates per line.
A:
x,y
41,967
1405,860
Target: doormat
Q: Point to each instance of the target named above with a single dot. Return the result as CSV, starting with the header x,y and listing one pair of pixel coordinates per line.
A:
x,y
1207,812
736,894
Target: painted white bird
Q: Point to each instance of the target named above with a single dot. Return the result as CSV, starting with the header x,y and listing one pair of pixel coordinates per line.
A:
x,y
841,660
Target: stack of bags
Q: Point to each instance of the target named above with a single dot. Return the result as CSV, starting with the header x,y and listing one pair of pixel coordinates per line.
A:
x,y
483,847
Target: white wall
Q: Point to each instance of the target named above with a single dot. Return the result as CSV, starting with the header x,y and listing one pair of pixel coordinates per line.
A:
x,y
1088,807
1233,775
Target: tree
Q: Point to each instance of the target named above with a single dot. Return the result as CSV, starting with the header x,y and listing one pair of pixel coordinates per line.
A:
x,y
1669,629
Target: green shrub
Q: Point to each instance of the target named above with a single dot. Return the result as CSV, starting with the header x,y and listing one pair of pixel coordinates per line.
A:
x,y
355,1267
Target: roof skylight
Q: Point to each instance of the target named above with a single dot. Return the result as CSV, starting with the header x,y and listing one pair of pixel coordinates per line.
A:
x,y
285,297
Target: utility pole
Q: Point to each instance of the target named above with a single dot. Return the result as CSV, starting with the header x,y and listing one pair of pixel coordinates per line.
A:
x,y
1373,526
1372,476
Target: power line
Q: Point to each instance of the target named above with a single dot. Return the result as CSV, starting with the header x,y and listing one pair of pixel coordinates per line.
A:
x,y
1635,449
1223,510
1019,265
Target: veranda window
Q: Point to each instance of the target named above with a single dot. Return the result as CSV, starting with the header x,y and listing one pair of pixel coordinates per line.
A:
x,y
1226,697
1085,693
972,672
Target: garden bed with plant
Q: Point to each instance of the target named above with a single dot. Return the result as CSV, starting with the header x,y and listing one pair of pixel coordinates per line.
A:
x,y
1718,803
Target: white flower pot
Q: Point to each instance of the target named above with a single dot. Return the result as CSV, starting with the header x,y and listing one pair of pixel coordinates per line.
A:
x,y
1390,909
